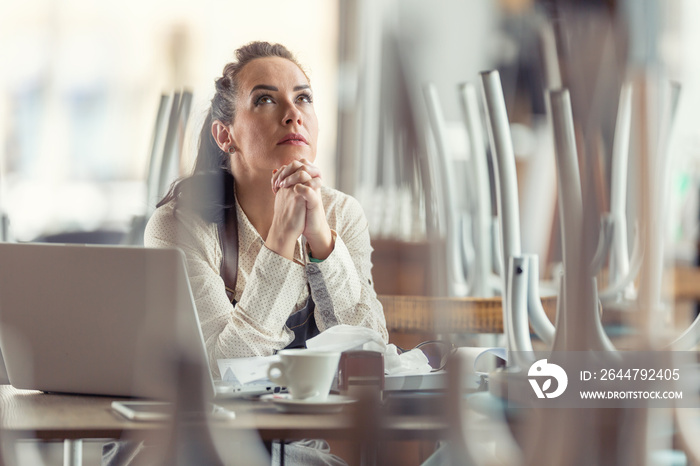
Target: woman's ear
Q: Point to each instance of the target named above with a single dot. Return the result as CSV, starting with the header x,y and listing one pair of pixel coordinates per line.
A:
x,y
222,135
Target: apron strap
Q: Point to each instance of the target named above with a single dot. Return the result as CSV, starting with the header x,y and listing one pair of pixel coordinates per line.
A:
x,y
228,239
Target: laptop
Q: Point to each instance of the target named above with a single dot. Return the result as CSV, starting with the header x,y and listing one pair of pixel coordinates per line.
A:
x,y
95,319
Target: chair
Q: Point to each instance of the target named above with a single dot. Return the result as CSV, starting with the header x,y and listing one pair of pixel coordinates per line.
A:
x,y
515,319
4,227
458,252
4,236
164,160
482,280
169,164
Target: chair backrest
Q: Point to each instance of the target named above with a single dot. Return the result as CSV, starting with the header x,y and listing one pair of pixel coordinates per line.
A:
x,y
482,217
166,150
169,168
156,156
164,160
4,227
443,162
4,236
4,220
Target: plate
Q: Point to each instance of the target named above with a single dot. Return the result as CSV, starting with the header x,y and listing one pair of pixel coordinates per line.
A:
x,y
285,403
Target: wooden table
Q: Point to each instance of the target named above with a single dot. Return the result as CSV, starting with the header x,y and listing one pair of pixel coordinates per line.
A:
x,y
28,414
427,314
449,315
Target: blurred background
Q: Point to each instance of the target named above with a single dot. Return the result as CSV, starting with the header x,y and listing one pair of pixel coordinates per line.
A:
x,y
81,82
80,87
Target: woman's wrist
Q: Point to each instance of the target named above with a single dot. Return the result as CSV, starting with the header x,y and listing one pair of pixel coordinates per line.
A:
x,y
280,245
321,246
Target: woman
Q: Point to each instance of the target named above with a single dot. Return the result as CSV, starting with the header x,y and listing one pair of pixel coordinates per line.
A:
x,y
273,256
303,250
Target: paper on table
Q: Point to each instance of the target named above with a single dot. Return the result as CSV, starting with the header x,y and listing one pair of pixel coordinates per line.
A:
x,y
245,370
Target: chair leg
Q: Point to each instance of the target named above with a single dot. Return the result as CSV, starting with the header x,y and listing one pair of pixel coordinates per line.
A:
x,y
72,452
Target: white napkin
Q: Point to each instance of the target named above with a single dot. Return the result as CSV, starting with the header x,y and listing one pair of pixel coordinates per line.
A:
x,y
348,337
410,362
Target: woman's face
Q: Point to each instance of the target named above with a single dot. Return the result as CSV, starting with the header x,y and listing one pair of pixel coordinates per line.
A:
x,y
275,121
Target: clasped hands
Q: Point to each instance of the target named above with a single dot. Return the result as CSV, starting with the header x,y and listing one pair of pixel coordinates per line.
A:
x,y
299,211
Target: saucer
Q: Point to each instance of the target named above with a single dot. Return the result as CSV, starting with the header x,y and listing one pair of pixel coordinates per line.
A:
x,y
286,404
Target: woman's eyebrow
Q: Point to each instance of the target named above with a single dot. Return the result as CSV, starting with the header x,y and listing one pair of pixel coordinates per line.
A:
x,y
267,87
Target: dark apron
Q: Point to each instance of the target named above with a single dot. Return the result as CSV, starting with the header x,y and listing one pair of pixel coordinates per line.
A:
x,y
303,324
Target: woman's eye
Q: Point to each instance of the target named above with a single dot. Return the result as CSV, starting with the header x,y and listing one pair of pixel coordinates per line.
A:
x,y
263,99
306,98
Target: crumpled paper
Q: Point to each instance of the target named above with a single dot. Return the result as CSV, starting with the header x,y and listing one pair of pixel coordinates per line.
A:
x,y
348,337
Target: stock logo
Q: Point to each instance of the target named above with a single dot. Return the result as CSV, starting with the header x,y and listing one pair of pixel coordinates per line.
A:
x,y
542,370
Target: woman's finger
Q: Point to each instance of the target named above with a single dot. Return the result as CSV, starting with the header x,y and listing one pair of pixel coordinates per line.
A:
x,y
286,170
275,177
294,167
309,194
297,177
278,175
314,183
273,181
311,168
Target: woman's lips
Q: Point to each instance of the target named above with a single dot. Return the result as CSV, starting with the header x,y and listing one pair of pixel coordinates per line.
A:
x,y
294,139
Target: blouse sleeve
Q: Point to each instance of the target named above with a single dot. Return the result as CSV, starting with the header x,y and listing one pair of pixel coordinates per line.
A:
x,y
341,285
256,325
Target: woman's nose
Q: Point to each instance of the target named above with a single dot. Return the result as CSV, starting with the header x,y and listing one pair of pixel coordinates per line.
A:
x,y
292,115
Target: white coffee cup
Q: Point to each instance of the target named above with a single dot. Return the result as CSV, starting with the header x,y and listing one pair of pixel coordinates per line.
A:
x,y
307,374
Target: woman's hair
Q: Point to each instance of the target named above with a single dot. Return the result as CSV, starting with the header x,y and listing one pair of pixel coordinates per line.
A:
x,y
209,189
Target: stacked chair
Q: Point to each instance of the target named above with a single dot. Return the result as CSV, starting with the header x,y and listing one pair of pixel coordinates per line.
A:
x,y
165,158
590,240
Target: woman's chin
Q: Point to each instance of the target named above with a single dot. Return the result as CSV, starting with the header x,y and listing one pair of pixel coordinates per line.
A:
x,y
293,156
